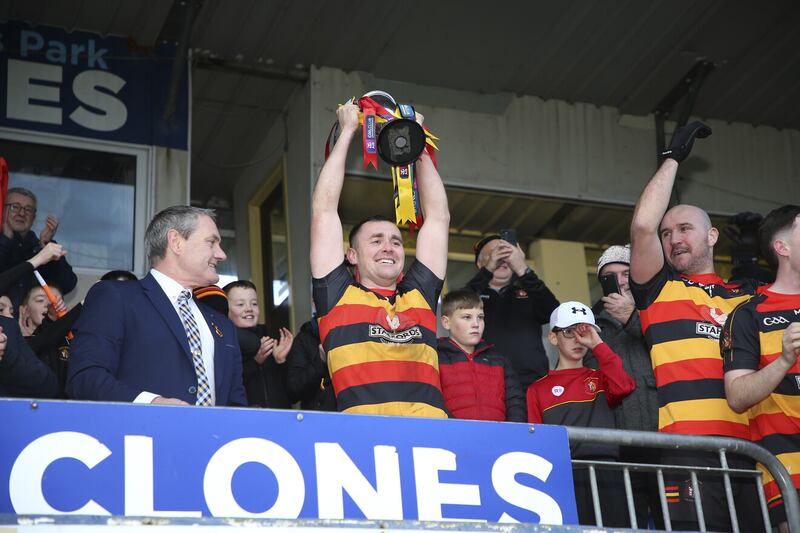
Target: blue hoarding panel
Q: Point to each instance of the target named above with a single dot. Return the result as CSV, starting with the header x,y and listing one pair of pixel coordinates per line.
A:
x,y
84,85
123,459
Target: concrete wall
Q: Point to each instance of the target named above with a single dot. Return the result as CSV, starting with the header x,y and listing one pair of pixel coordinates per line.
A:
x,y
523,145
293,134
580,151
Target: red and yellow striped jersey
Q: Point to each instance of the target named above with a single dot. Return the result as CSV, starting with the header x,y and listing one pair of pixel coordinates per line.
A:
x,y
752,339
682,317
381,350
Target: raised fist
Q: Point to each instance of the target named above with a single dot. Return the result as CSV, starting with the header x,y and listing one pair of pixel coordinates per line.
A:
x,y
683,140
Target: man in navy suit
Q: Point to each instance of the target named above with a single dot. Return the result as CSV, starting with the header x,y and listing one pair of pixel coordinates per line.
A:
x,y
131,341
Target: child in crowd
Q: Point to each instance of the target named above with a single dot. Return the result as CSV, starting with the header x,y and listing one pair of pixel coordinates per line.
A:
x,y
35,306
45,332
262,357
573,395
477,382
6,307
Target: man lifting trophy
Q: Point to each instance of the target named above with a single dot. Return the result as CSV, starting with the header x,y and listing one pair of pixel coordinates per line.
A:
x,y
378,325
391,131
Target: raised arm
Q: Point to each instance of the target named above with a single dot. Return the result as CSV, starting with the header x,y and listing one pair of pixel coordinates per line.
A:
x,y
326,227
434,233
647,256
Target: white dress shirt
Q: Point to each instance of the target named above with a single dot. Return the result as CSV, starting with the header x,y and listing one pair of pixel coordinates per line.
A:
x,y
173,289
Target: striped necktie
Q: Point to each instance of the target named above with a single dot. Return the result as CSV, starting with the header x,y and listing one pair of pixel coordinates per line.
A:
x,y
193,335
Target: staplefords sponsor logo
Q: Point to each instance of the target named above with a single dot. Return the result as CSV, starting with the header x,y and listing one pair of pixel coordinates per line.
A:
x,y
400,337
707,330
775,321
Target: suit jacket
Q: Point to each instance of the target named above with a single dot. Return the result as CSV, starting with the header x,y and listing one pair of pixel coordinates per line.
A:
x,y
130,339
22,374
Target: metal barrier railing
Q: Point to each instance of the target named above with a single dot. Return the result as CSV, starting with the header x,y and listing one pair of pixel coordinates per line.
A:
x,y
720,445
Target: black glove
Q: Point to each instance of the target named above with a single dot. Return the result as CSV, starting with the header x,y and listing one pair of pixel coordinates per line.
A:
x,y
683,139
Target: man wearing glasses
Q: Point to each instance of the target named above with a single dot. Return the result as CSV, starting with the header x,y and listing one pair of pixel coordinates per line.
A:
x,y
18,244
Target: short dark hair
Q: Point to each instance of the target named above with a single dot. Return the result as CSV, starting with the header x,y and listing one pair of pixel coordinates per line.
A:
x,y
181,218
354,232
240,283
119,275
776,221
22,191
460,299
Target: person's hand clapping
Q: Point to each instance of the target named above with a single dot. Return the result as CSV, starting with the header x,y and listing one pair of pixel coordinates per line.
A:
x,y
283,346
264,350
49,231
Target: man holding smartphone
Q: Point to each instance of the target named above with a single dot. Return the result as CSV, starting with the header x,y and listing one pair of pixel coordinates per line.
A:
x,y
516,304
618,319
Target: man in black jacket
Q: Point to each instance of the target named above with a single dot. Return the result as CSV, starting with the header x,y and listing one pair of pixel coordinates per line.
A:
x,y
307,378
22,374
516,303
18,244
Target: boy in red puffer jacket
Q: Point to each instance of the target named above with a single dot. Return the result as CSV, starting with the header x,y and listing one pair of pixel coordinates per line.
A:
x,y
477,382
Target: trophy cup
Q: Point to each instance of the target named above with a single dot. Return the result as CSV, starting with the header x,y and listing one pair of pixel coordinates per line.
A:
x,y
390,131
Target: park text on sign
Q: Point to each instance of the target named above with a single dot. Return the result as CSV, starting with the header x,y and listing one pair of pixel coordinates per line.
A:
x,y
83,85
34,89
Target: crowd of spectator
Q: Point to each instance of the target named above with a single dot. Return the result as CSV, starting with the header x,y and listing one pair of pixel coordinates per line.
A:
x,y
660,351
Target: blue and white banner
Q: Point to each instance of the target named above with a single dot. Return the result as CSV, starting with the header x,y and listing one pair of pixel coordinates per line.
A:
x,y
143,460
84,85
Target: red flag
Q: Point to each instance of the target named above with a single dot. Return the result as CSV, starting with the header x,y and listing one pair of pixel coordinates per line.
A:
x,y
3,188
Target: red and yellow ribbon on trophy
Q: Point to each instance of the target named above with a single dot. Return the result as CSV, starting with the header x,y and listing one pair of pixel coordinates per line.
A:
x,y
390,130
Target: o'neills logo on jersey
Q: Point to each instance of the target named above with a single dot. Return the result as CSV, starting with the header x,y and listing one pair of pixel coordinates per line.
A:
x,y
707,330
401,337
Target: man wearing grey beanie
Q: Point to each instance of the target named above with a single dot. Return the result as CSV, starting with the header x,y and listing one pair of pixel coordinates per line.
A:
x,y
618,319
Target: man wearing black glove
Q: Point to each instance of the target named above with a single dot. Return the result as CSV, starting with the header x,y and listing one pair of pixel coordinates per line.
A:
x,y
683,140
683,305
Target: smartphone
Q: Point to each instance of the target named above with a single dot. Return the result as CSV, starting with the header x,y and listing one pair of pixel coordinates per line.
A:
x,y
509,235
609,284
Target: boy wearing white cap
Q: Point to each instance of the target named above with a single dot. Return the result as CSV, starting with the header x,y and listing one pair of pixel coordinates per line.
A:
x,y
574,395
